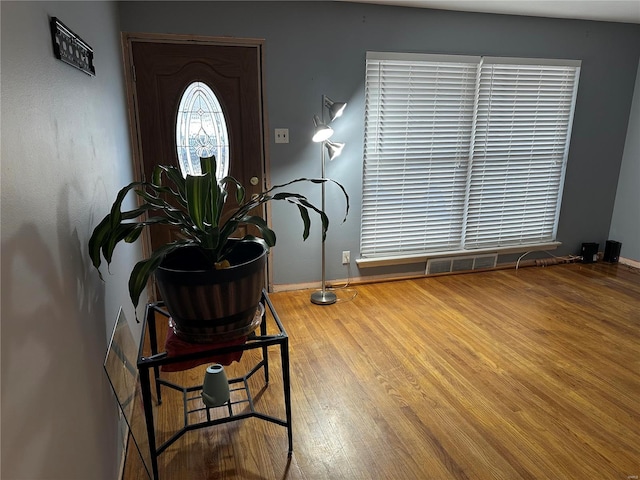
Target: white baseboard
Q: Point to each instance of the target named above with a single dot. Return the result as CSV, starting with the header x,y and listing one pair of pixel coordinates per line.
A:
x,y
628,261
339,282
287,287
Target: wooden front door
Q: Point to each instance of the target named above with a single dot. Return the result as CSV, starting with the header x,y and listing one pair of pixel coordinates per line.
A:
x,y
159,70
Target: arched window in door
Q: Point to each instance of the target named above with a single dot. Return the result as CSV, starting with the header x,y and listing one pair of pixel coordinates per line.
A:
x,y
201,130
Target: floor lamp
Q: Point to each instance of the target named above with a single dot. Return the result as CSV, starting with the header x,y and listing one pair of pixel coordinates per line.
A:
x,y
322,133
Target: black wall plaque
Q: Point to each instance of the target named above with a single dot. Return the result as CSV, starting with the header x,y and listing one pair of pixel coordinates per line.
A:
x,y
70,48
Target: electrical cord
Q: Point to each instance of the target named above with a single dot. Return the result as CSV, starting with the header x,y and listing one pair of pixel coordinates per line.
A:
x,y
521,257
348,280
543,263
354,294
344,287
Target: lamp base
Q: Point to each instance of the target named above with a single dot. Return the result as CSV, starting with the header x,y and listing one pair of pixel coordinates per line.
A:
x,y
323,297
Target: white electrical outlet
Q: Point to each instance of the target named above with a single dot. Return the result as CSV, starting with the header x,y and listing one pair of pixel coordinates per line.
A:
x,y
282,135
346,257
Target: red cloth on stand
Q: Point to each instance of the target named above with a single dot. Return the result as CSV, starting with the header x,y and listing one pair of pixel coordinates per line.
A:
x,y
176,347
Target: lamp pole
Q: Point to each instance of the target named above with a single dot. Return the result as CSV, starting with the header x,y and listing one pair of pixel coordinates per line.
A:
x,y
323,297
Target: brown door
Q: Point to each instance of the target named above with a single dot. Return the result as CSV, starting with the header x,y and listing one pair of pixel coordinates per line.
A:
x,y
163,68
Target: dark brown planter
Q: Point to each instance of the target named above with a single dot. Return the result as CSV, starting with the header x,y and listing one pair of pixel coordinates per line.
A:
x,y
213,305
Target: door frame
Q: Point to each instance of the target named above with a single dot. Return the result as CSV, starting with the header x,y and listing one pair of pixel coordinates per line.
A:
x,y
127,38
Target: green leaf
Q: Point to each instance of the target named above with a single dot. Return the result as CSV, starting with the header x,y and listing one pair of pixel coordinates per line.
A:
x,y
208,240
156,178
101,235
240,193
323,217
268,234
153,200
133,236
227,230
302,202
116,235
285,195
208,165
252,238
135,213
216,195
346,198
176,178
198,191
317,180
152,221
254,202
116,215
98,238
304,213
143,270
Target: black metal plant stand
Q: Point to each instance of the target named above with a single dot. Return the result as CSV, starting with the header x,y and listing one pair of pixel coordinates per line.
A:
x,y
191,400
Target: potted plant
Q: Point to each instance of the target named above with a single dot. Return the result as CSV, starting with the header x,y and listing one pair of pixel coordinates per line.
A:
x,y
210,282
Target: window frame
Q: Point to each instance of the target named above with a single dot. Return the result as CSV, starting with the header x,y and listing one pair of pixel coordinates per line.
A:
x,y
371,257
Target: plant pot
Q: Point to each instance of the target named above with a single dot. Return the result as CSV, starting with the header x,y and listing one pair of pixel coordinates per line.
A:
x,y
207,305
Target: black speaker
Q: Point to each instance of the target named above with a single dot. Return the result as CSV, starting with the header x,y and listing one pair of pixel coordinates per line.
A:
x,y
612,251
589,252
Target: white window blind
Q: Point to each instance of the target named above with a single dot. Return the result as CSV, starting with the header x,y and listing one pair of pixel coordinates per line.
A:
x,y
463,153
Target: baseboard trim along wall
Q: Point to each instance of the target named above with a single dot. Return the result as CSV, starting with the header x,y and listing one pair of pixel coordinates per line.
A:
x,y
629,262
418,273
341,282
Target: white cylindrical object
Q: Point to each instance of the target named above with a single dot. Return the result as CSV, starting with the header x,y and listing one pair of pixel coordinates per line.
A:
x,y
215,389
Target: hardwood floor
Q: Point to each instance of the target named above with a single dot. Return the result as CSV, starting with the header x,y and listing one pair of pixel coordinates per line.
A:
x,y
527,374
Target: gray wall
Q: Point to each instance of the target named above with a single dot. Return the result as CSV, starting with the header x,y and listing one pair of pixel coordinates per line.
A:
x,y
315,48
65,153
625,225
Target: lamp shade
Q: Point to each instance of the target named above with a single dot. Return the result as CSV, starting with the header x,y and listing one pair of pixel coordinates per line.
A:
x,y
334,149
335,108
322,132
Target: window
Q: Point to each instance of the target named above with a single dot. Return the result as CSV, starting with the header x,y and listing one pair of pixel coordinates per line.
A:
x,y
463,153
201,130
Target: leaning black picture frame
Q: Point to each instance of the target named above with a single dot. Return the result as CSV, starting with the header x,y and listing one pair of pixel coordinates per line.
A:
x,y
70,48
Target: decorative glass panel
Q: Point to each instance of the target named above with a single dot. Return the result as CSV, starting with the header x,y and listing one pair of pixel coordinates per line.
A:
x,y
121,367
201,130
